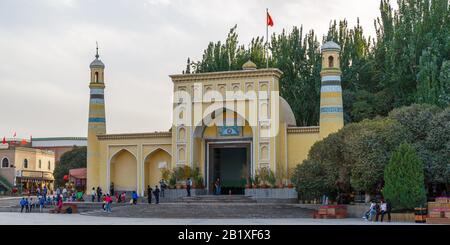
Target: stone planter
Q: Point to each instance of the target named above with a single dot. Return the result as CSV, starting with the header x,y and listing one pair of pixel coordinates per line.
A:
x,y
272,194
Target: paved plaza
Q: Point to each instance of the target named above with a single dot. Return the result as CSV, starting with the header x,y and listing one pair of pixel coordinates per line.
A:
x,y
8,218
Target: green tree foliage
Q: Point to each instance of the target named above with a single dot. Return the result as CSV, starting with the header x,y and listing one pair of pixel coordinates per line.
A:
x,y
407,61
352,159
367,148
429,128
309,186
76,158
404,179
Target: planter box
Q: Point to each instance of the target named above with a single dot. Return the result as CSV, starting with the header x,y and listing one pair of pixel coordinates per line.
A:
x,y
442,199
272,194
171,195
403,217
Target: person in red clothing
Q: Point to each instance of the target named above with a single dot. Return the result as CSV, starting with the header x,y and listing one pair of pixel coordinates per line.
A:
x,y
59,204
108,202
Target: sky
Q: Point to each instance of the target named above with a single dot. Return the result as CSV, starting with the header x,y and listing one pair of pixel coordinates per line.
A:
x,y
46,47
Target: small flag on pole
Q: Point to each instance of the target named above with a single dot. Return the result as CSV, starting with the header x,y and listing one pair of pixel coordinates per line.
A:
x,y
4,141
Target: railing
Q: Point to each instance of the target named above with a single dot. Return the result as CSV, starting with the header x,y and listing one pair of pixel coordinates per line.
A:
x,y
5,183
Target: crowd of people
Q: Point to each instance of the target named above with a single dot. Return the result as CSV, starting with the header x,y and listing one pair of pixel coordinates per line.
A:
x,y
42,200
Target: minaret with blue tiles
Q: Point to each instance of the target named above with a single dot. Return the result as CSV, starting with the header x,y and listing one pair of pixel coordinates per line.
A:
x,y
331,106
97,120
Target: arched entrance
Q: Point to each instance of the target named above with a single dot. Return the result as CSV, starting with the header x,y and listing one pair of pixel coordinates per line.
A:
x,y
123,171
226,151
153,164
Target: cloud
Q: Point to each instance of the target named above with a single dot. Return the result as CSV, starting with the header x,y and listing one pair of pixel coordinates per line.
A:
x,y
46,47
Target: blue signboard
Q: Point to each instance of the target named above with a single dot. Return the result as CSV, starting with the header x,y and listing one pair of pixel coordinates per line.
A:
x,y
229,131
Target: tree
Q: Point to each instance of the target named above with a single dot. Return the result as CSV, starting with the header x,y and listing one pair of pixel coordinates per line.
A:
x,y
75,158
408,61
404,179
309,180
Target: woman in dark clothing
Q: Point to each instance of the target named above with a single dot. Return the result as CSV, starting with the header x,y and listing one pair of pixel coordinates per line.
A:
x,y
149,193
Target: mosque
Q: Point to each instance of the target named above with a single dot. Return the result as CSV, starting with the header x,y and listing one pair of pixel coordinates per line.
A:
x,y
224,123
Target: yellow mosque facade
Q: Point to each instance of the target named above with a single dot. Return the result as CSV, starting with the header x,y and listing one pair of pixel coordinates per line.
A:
x,y
224,123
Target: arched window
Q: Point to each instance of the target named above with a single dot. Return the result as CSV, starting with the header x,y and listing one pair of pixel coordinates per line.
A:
x,y
25,163
96,77
40,163
5,163
330,62
49,165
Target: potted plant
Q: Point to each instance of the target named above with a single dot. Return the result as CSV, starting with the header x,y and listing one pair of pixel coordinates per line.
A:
x,y
172,181
256,181
271,179
263,176
178,175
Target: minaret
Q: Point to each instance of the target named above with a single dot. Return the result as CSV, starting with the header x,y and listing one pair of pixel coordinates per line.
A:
x,y
331,109
97,122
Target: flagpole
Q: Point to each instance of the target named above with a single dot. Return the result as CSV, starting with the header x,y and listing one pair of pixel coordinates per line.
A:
x,y
267,38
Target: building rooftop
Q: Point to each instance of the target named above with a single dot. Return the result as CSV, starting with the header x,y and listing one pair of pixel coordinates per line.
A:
x,y
330,45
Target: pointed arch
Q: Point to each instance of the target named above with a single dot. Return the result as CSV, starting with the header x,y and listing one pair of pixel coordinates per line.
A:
x,y
153,163
123,167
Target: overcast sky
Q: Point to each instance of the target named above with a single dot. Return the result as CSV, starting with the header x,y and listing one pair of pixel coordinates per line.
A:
x,y
46,47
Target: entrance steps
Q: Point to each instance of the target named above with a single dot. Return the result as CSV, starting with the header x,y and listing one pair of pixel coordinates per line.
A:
x,y
218,199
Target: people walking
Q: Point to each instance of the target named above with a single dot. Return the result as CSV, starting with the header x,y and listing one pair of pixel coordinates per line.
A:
x,y
93,192
99,194
134,197
59,204
156,193
23,205
108,203
30,205
41,204
123,197
111,189
149,193
44,192
188,186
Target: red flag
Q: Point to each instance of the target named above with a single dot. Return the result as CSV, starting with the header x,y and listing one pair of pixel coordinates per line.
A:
x,y
4,141
269,20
